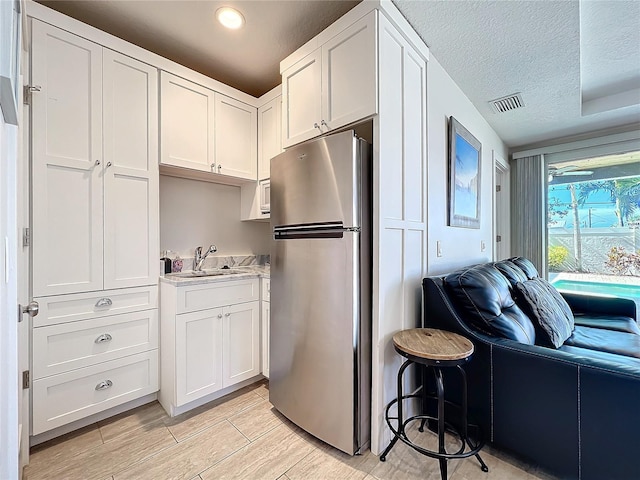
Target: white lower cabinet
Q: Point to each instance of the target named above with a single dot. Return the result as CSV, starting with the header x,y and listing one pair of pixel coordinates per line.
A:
x,y
198,341
64,347
92,351
265,320
210,340
67,397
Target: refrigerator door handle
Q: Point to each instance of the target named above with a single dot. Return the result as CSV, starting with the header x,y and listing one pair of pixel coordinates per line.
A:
x,y
321,231
311,233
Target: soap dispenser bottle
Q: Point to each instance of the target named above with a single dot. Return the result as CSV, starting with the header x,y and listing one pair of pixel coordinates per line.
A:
x,y
165,263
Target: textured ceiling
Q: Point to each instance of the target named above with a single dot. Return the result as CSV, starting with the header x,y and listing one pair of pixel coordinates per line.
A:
x,y
495,48
489,48
609,79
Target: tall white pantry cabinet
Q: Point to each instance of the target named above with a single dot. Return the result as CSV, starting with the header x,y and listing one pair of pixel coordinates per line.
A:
x,y
94,227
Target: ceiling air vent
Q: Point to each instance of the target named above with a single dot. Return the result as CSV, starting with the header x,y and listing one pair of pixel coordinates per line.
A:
x,y
508,103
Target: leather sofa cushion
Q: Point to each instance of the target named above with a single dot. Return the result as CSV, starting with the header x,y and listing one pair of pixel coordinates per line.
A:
x,y
526,266
618,323
548,310
483,296
511,271
620,343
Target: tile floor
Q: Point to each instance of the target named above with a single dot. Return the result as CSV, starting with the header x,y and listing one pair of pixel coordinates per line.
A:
x,y
238,437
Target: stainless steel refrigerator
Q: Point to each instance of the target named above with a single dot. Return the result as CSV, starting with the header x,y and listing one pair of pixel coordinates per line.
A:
x,y
320,340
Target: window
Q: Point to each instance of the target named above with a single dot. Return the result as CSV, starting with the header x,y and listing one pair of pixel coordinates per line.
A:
x,y
593,223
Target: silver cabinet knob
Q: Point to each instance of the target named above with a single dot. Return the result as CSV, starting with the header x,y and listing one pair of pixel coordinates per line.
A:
x,y
213,166
32,309
105,337
219,167
104,302
97,162
315,125
219,315
103,385
109,164
227,314
324,123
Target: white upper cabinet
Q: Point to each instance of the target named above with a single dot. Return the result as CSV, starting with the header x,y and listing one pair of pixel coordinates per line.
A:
x,y
131,172
333,86
186,124
67,165
235,138
95,174
349,74
269,135
301,99
206,131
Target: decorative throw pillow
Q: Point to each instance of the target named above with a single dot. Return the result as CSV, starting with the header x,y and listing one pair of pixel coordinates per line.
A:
x,y
560,301
535,298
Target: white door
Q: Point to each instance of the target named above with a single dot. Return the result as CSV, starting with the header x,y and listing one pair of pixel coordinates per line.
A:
x,y
349,78
269,135
23,270
235,138
198,354
186,124
501,246
67,164
266,328
301,100
241,344
130,103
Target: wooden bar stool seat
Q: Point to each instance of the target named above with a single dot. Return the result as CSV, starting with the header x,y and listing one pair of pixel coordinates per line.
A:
x,y
434,349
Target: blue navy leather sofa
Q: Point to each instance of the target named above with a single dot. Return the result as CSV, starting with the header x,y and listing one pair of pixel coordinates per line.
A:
x,y
573,410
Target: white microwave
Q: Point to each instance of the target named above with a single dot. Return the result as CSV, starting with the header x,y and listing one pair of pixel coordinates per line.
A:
x,y
265,196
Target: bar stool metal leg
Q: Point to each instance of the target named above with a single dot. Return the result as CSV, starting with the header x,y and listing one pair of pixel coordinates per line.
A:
x,y
441,427
425,396
383,456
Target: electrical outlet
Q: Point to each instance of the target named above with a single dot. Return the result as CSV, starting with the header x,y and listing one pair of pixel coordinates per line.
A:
x,y
483,246
438,248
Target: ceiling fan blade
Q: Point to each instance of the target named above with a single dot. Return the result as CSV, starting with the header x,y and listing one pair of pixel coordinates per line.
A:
x,y
572,174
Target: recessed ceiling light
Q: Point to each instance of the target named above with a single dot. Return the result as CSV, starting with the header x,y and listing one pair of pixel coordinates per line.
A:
x,y
230,17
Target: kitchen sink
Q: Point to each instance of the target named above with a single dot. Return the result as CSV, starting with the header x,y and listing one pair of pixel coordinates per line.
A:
x,y
206,273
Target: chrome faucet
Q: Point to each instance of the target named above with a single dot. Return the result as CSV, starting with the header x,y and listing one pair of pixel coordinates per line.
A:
x,y
199,259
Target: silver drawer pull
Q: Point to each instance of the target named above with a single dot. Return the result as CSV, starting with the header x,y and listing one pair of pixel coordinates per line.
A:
x,y
105,337
104,302
104,385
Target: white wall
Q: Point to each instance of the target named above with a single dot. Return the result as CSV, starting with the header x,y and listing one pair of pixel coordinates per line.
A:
x,y
9,398
460,246
194,213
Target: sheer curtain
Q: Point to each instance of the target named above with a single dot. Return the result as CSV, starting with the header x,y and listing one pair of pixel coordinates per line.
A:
x,y
528,210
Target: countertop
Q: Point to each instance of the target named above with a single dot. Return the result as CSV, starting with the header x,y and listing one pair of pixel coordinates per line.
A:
x,y
248,271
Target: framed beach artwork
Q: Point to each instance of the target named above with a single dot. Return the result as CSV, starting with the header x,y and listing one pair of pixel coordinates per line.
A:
x,y
465,153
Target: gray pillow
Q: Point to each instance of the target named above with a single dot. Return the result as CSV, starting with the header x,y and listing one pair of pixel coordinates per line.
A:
x,y
548,310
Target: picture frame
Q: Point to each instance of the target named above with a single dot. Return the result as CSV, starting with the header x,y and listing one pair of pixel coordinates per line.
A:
x,y
465,168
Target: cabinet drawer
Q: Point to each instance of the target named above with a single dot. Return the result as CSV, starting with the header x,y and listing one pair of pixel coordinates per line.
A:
x,y
211,295
65,347
64,398
83,306
266,290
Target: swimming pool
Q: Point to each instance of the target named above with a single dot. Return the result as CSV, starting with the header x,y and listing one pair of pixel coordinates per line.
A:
x,y
616,289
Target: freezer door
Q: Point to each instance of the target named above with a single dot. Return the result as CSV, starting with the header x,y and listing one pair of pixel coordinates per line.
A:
x,y
315,314
318,182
